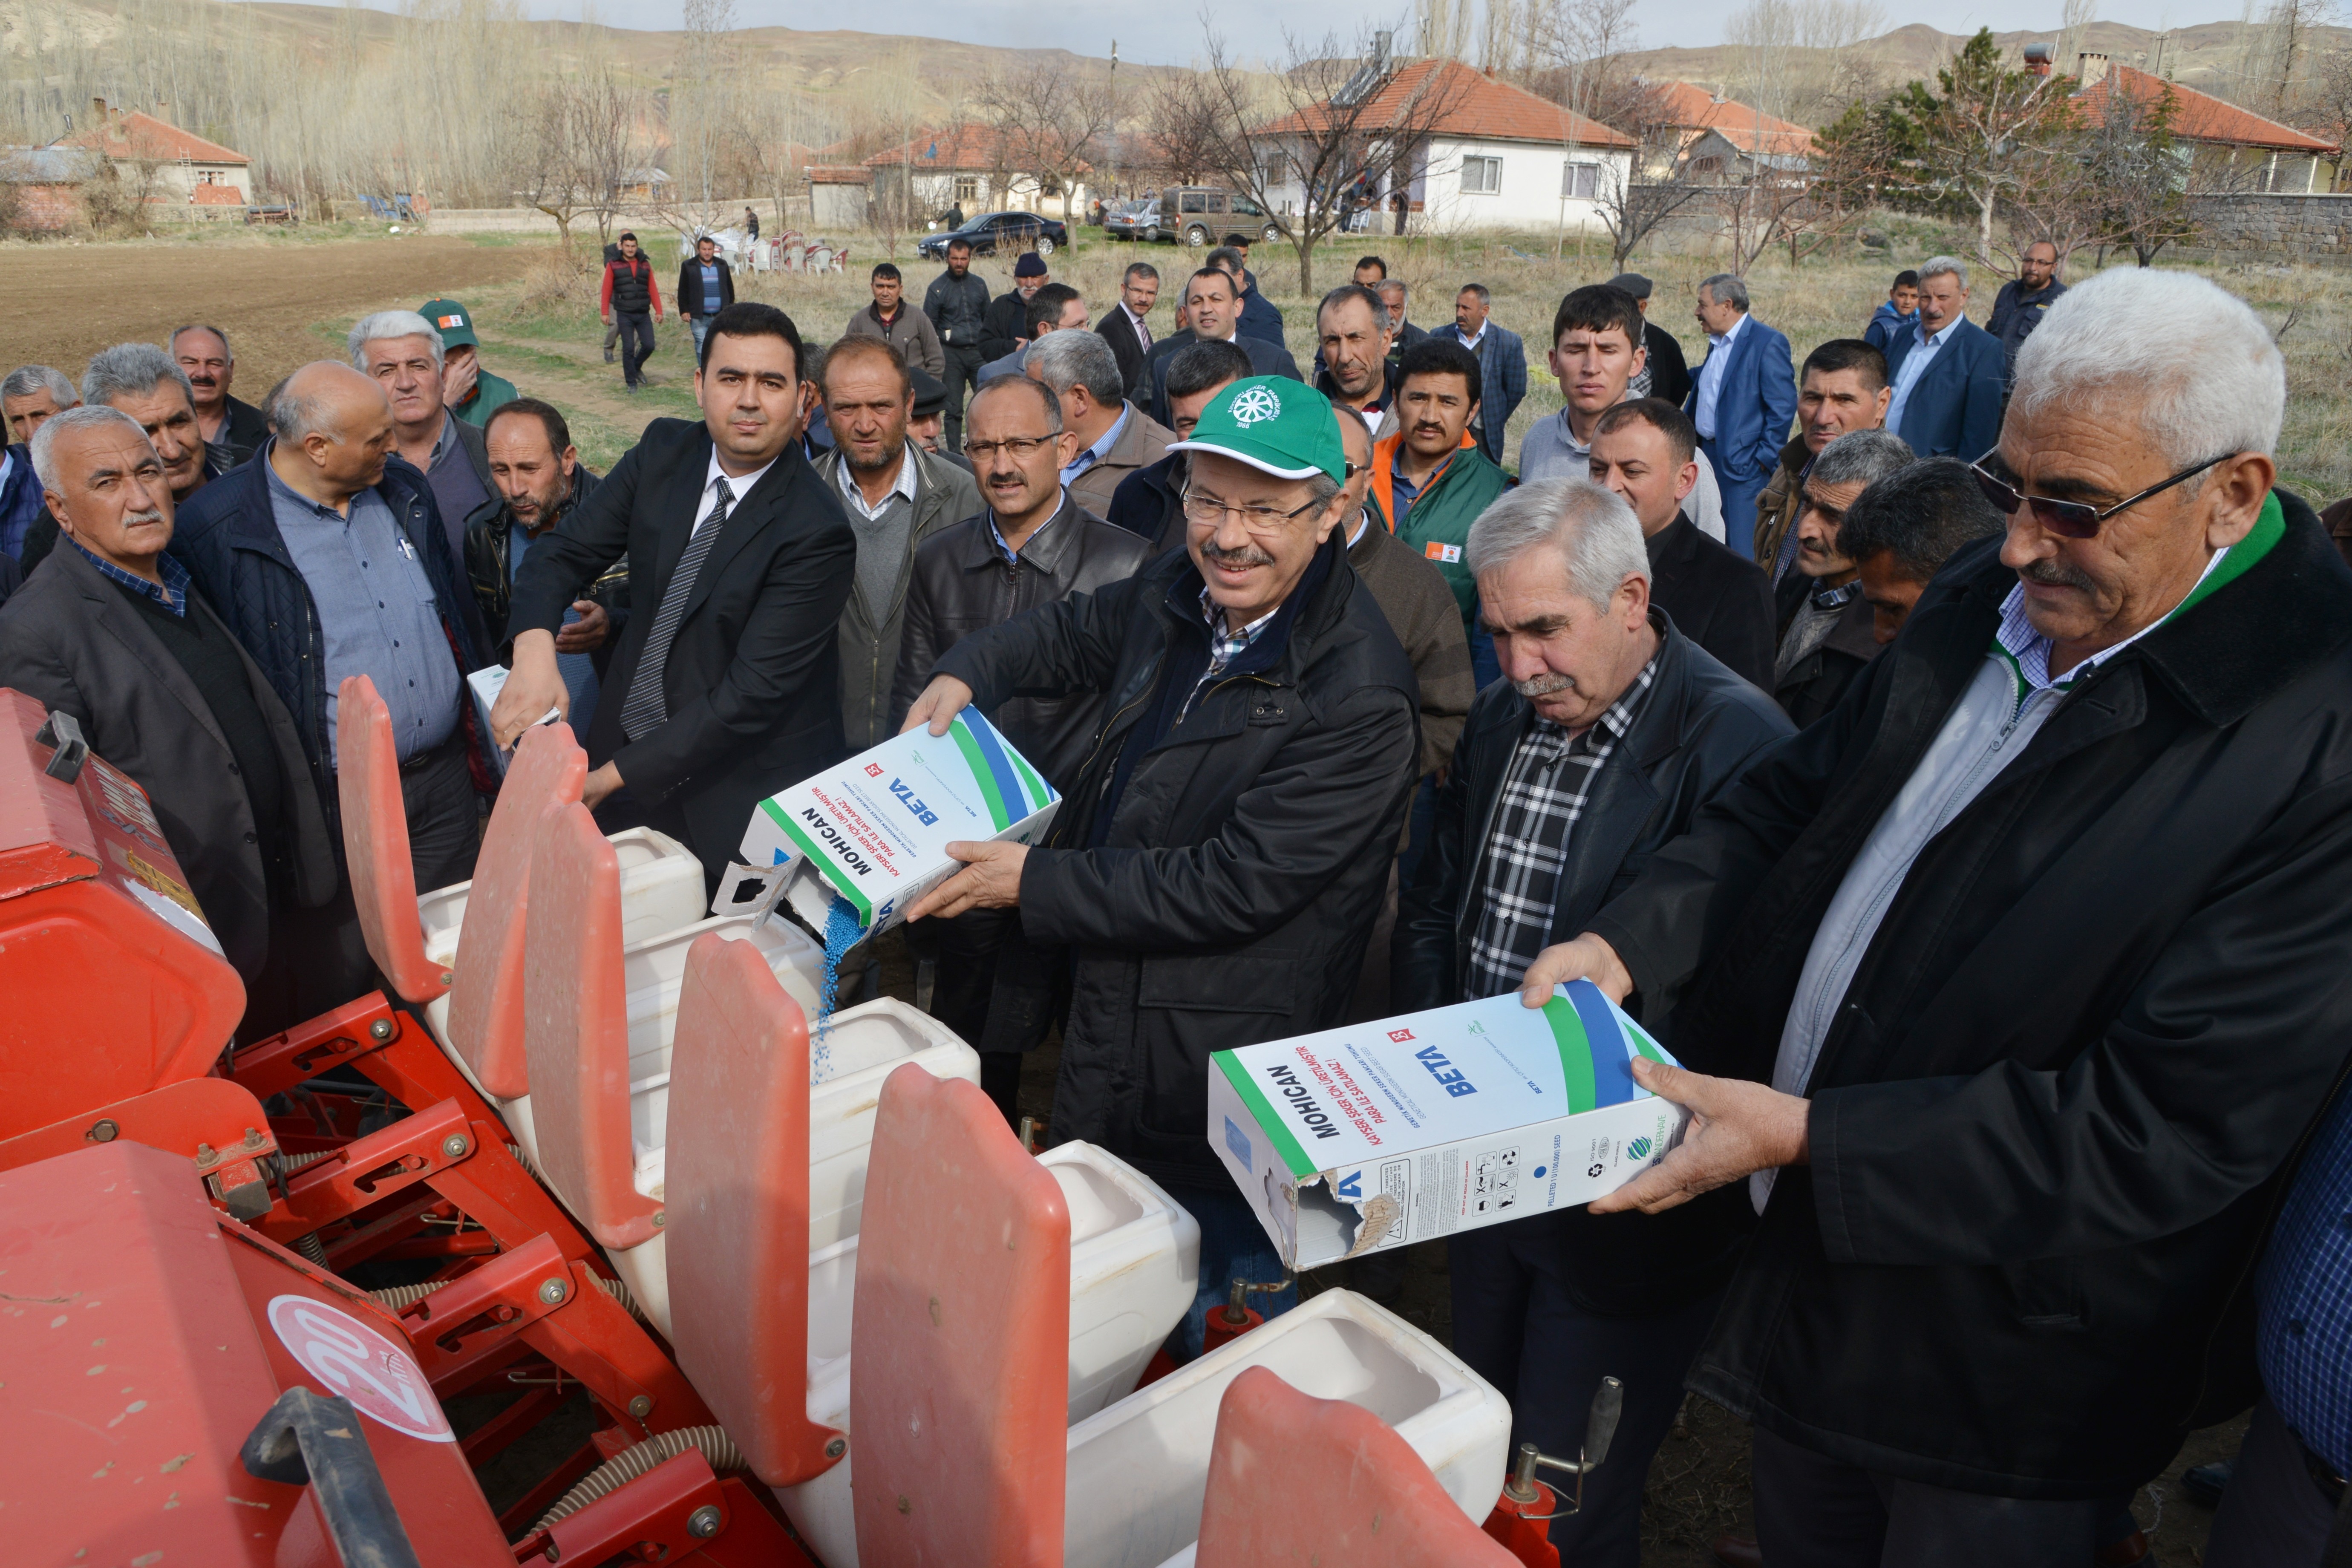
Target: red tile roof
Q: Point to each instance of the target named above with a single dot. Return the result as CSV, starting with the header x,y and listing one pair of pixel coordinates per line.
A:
x,y
2197,116
137,135
1750,129
963,148
217,196
1476,109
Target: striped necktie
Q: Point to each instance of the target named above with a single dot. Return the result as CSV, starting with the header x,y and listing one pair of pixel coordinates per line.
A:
x,y
647,709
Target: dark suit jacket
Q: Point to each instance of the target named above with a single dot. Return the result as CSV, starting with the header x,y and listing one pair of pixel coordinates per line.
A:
x,y
1721,600
1955,409
1754,407
753,678
69,639
1119,332
1670,375
1265,359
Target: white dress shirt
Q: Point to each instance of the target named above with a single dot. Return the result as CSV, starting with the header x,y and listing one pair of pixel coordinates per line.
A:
x,y
1142,332
1710,377
738,487
1914,365
903,486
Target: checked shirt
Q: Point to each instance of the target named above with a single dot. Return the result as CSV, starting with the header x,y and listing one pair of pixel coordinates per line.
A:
x,y
1544,793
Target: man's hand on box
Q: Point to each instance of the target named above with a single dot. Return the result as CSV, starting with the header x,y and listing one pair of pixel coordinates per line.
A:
x,y
1736,1128
1586,958
940,701
534,686
990,879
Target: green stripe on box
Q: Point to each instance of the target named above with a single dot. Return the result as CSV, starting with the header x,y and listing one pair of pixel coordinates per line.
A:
x,y
982,775
1575,1054
1644,1044
817,857
1040,791
1278,1132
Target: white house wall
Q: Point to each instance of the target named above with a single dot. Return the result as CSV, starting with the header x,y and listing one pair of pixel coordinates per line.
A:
x,y
1528,195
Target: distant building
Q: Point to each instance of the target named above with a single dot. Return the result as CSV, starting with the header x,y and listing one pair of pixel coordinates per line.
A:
x,y
48,182
1715,140
839,193
1495,157
2229,149
177,166
975,167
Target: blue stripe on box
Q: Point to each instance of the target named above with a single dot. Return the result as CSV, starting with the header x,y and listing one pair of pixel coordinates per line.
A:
x,y
999,766
1613,1072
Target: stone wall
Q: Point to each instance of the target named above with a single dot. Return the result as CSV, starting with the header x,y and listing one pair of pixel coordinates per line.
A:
x,y
2294,228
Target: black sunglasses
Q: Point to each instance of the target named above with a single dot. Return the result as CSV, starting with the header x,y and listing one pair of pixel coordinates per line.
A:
x,y
2073,519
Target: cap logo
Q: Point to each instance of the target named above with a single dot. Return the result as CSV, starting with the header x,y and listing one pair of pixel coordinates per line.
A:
x,y
450,322
1257,402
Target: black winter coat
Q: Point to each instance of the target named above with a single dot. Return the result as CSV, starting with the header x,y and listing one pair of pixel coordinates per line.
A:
x,y
1700,729
1245,859
226,536
958,308
1722,601
2065,1092
963,585
1147,504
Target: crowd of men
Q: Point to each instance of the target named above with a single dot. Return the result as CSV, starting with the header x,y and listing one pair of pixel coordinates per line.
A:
x,y
1889,732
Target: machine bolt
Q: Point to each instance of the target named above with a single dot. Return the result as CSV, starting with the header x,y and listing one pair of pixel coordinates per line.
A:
x,y
447,978
454,1146
555,1553
551,1292
379,1031
252,1138
206,1154
836,1448
642,1407
660,1219
104,1131
703,1523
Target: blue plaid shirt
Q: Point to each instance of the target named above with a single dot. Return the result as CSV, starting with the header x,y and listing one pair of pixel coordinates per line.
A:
x,y
171,593
2304,1331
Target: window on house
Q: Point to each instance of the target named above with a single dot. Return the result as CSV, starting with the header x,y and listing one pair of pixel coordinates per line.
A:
x,y
1480,176
967,187
1580,181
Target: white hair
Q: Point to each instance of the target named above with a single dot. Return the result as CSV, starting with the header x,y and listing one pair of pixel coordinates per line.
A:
x,y
1593,528
83,417
2190,363
28,379
1938,265
386,324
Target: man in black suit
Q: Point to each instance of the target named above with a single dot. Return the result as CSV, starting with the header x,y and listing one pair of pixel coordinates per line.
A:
x,y
1123,325
1647,451
726,684
1215,312
1666,375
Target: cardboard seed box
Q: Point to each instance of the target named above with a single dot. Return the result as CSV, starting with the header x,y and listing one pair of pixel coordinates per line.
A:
x,y
1418,1126
876,828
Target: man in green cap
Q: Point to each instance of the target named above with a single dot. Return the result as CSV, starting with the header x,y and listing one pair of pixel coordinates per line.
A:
x,y
1220,855
467,390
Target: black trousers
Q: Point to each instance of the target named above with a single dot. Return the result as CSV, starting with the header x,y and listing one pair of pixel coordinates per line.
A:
x,y
445,823
636,342
964,949
1517,1324
1815,1513
963,376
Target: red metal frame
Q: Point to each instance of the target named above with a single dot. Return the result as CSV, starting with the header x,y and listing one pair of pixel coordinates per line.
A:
x,y
681,1512
216,1124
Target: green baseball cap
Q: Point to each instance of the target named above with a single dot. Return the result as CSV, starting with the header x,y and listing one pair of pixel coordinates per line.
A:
x,y
453,321
1274,424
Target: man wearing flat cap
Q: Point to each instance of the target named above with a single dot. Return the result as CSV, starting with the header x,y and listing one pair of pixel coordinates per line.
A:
x,y
1666,375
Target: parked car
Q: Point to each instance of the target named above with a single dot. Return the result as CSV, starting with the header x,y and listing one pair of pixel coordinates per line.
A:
x,y
1198,215
1128,219
996,234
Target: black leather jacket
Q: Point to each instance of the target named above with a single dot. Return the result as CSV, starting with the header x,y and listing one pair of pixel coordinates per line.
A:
x,y
489,570
963,584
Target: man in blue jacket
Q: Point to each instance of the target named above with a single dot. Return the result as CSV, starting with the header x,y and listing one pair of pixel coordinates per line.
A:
x,y
1947,372
1743,398
1502,366
1896,313
327,557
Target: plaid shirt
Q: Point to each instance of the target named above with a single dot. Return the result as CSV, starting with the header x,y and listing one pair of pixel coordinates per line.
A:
x,y
1544,793
1225,647
171,593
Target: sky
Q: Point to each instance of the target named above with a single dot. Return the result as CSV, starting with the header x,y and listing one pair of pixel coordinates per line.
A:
x,y
1166,34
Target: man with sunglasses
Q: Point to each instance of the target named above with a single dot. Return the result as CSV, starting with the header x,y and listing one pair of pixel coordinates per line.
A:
x,y
2012,985
1212,875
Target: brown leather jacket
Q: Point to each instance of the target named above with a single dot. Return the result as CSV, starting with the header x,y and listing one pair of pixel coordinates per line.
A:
x,y
963,584
1776,503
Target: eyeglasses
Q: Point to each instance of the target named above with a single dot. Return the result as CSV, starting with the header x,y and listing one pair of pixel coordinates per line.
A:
x,y
1019,447
1256,518
2073,519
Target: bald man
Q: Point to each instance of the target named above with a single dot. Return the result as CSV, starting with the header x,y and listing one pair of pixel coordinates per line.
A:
x,y
327,557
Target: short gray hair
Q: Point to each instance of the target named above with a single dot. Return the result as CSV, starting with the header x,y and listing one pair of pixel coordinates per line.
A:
x,y
28,379
386,324
2194,367
45,439
1064,360
1861,457
1727,289
227,352
1048,401
1355,291
1940,266
1384,285
1593,528
294,416
133,370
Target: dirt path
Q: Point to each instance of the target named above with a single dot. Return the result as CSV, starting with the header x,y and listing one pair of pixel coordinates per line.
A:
x,y
270,297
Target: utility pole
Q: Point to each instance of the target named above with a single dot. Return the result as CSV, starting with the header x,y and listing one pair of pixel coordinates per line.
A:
x,y
1114,126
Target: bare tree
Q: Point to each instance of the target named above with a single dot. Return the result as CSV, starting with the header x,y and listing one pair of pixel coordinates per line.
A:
x,y
1316,141
1187,132
1050,121
572,140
